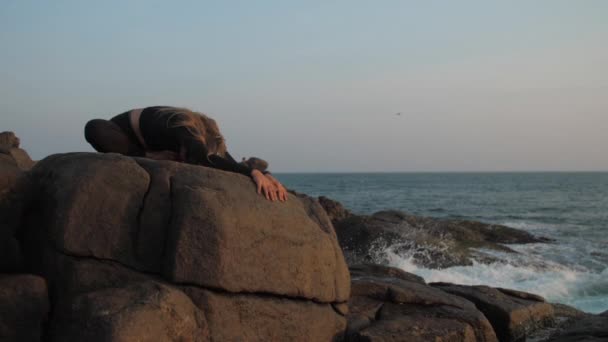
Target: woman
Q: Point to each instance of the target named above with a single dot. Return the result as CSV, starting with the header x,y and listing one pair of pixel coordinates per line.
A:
x,y
170,133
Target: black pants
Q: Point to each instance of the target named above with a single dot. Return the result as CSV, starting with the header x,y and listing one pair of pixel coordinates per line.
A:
x,y
114,135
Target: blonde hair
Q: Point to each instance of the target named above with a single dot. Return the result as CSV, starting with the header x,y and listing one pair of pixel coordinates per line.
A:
x,y
202,127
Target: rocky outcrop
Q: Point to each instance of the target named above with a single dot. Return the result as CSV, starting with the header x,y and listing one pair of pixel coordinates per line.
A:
x,y
24,307
390,305
180,250
513,314
135,249
432,243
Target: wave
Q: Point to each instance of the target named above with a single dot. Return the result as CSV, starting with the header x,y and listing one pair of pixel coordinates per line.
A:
x,y
577,286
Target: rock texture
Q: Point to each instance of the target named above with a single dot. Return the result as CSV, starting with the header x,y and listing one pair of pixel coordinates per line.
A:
x,y
390,305
432,243
24,307
14,162
513,314
183,246
573,325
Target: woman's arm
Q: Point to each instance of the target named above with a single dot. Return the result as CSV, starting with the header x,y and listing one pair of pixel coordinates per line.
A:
x,y
195,152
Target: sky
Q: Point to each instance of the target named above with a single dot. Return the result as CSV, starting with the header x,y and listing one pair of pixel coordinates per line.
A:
x,y
314,86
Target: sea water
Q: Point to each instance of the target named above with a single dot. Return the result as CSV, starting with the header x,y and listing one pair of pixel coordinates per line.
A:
x,y
571,208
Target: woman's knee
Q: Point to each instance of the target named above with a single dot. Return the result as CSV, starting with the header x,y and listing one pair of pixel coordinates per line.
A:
x,y
94,129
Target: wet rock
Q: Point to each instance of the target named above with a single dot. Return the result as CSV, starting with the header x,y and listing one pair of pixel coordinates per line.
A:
x,y
432,243
591,328
24,307
387,308
513,314
383,271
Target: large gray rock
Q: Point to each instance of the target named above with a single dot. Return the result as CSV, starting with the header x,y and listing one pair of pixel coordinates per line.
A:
x,y
24,307
100,224
513,314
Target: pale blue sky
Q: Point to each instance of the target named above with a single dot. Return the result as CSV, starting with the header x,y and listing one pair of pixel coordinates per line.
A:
x,y
314,86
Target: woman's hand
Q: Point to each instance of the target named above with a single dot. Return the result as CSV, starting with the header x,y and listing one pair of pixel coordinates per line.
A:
x,y
266,186
281,191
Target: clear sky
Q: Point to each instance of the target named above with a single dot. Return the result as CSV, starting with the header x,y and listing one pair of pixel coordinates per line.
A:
x,y
315,85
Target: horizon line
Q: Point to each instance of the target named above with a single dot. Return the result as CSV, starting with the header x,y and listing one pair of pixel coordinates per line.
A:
x,y
443,171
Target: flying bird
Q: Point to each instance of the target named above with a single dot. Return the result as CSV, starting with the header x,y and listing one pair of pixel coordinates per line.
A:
x,y
398,114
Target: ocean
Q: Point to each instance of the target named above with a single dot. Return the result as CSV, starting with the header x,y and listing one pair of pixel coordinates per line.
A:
x,y
571,208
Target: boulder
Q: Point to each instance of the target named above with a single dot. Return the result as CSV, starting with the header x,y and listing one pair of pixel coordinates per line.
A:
x,y
235,317
24,307
146,311
404,308
513,314
100,225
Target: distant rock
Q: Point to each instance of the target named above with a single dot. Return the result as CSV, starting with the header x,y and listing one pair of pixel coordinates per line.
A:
x,y
432,243
335,210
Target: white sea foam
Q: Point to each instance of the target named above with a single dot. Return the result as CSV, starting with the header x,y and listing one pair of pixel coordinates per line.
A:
x,y
587,290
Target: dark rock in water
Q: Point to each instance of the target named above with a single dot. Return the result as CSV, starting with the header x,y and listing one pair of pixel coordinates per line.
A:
x,y
513,314
24,307
387,308
382,271
433,243
117,234
335,210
